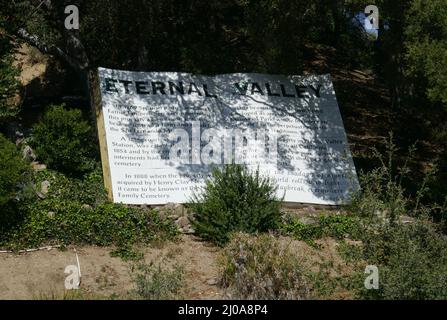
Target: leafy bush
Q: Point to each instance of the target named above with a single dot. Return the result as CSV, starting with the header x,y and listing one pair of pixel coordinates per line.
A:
x,y
12,174
71,223
301,231
411,257
235,199
336,226
8,80
412,261
63,140
426,44
68,215
155,283
88,189
259,267
383,190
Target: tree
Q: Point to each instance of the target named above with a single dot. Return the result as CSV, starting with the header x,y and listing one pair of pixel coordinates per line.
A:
x,y
12,174
426,45
8,76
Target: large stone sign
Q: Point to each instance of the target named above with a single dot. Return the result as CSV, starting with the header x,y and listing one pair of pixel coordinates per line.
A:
x,y
165,131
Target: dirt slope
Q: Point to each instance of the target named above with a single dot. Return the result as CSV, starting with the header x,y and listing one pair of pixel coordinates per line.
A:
x,y
40,274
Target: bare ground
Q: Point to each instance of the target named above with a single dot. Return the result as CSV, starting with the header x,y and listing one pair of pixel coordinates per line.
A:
x,y
40,274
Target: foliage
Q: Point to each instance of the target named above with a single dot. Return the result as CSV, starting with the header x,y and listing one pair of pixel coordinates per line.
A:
x,y
426,43
9,84
336,226
68,215
412,260
156,283
63,140
412,256
88,189
257,35
383,192
235,199
275,36
260,267
12,179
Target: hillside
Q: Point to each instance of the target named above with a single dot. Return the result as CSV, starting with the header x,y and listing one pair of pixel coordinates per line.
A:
x,y
235,238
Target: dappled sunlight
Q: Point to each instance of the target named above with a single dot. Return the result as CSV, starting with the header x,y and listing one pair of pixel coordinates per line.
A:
x,y
289,127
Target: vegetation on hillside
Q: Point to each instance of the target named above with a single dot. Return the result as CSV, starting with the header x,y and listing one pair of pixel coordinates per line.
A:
x,y
13,175
397,221
62,140
235,199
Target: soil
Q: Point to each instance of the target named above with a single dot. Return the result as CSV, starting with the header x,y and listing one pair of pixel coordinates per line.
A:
x,y
40,274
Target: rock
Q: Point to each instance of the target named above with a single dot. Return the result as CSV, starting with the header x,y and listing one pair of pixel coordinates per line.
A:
x,y
41,195
20,138
188,230
86,207
182,222
307,220
169,206
172,211
178,210
28,154
212,282
44,187
50,214
38,166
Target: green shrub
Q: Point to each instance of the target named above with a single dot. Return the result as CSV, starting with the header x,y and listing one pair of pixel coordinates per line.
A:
x,y
70,223
69,215
339,226
12,174
235,199
412,261
156,283
382,189
384,193
9,84
335,226
259,267
297,229
63,140
87,189
411,257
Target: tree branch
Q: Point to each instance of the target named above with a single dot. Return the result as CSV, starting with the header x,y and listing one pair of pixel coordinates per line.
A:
x,y
74,53
50,49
